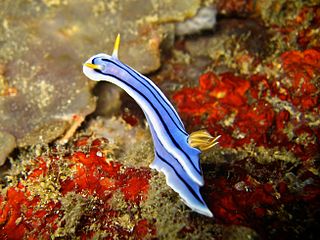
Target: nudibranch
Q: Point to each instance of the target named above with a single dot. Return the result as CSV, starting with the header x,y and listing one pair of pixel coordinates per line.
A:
x,y
176,152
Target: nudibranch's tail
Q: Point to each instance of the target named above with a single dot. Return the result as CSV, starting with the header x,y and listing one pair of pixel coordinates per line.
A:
x,y
177,178
181,183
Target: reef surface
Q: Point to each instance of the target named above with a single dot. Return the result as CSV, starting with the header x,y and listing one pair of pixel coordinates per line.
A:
x,y
253,79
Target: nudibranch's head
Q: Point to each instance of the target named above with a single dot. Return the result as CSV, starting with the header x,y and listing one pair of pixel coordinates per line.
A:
x,y
95,66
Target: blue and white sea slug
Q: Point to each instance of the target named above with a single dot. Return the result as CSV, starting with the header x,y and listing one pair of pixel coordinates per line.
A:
x,y
176,152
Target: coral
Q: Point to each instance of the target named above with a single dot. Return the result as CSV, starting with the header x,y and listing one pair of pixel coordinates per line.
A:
x,y
257,110
270,134
297,28
307,36
263,197
76,193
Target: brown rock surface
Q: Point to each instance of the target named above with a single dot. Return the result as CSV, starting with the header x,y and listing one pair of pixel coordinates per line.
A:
x,y
42,47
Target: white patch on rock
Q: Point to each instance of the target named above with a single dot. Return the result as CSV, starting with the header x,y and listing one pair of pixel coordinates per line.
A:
x,y
205,19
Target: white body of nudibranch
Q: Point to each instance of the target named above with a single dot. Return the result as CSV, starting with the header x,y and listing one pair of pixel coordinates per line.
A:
x,y
175,154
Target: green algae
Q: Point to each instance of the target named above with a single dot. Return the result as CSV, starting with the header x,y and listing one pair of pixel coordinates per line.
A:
x,y
171,215
280,12
265,155
164,206
73,207
258,154
239,232
131,144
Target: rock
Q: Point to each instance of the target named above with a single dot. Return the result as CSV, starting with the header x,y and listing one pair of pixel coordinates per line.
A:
x,y
7,144
44,43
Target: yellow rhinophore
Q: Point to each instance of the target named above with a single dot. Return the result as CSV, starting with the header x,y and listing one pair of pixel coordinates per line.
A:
x,y
116,47
93,66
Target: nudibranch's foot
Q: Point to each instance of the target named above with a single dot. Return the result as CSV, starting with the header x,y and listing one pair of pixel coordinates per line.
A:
x,y
181,183
177,178
202,140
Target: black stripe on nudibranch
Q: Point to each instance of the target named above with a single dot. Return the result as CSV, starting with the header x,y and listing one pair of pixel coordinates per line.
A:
x,y
155,94
158,114
180,177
